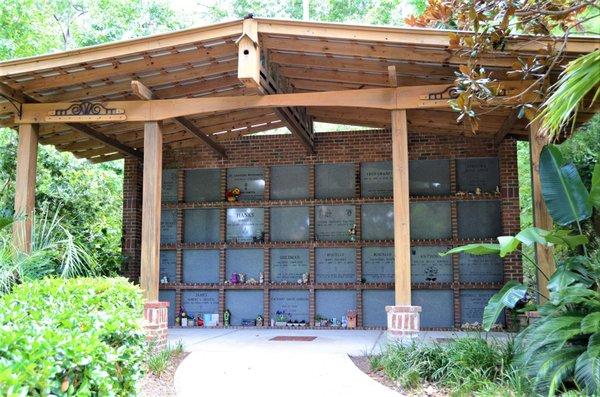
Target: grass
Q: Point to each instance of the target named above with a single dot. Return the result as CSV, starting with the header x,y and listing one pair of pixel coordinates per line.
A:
x,y
465,367
158,362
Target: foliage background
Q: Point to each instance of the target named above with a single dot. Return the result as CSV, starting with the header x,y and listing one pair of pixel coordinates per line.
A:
x,y
90,196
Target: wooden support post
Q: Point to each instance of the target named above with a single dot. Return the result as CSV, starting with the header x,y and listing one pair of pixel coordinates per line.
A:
x,y
403,319
401,207
541,217
151,196
25,185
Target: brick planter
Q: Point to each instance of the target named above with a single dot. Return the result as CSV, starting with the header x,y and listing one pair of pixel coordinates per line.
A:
x,y
155,323
403,321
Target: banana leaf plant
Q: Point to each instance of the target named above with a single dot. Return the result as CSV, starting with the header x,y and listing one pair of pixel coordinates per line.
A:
x,y
561,350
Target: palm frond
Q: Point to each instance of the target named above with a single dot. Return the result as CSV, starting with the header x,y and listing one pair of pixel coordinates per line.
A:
x,y
580,78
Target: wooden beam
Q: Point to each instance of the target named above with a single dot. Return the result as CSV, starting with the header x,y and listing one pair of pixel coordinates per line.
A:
x,y
507,126
20,100
392,76
541,217
408,36
401,207
189,126
259,80
412,97
151,201
11,94
110,142
25,186
296,119
143,92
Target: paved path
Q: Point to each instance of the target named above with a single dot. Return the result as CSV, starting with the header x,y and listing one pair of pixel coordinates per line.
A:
x,y
245,362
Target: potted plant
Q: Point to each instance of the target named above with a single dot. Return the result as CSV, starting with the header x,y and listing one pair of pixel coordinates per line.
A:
x,y
281,318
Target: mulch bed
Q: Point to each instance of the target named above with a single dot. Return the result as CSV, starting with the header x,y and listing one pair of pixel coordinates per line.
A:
x,y
426,390
163,385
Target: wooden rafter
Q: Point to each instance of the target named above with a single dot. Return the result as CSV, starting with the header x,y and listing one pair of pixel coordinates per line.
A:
x,y
296,119
254,77
507,126
143,92
23,100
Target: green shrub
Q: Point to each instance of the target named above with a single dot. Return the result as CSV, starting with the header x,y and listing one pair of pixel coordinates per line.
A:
x,y
466,366
159,361
71,337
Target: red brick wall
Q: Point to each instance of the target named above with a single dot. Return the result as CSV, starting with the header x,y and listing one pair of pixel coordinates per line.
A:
x,y
356,146
509,189
132,218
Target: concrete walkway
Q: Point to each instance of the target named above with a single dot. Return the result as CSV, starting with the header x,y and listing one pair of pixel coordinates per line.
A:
x,y
246,362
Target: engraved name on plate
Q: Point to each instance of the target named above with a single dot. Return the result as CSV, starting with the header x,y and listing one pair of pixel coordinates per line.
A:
x,y
245,225
334,222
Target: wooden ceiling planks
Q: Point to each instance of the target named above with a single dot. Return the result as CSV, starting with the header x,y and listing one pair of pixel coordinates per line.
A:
x,y
118,68
430,56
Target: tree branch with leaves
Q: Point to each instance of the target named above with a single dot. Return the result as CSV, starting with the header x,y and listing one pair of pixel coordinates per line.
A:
x,y
486,28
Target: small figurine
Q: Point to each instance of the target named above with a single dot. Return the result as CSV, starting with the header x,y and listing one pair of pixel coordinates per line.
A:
x,y
259,321
252,281
242,278
478,191
226,318
351,319
233,195
164,280
235,278
305,278
261,278
461,194
352,233
497,189
199,320
299,281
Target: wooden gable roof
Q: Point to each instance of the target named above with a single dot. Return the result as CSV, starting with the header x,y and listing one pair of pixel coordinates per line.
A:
x,y
199,62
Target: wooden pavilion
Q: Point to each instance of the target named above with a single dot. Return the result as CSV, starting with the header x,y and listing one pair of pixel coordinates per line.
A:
x,y
203,94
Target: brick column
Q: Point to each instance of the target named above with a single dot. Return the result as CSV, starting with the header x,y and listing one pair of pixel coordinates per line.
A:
x,y
403,321
511,211
132,218
156,316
